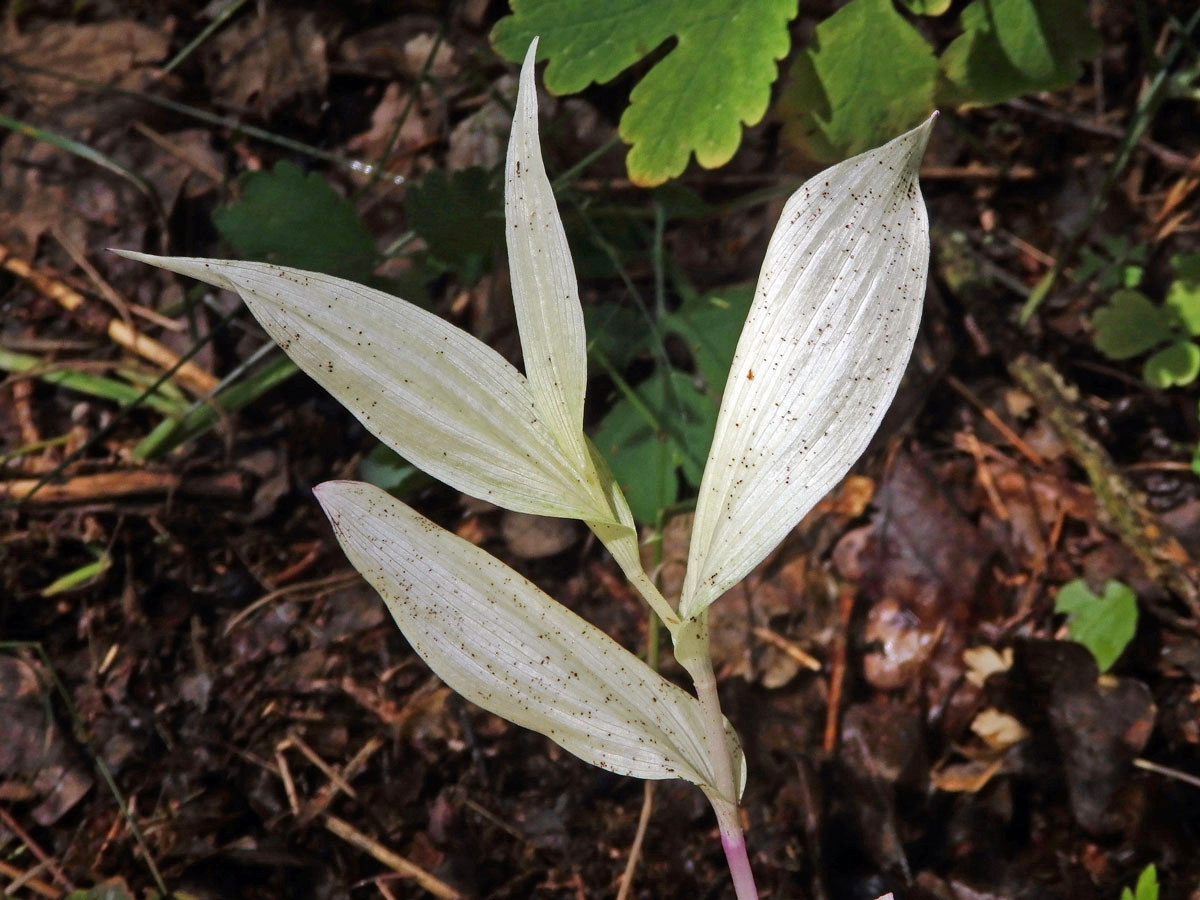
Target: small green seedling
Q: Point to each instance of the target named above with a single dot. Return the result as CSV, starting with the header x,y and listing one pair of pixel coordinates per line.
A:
x,y
1105,625
1146,887
829,331
1132,324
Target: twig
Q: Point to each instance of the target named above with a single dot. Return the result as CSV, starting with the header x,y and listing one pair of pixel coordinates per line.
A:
x,y
396,863
27,879
313,757
51,866
188,374
995,421
837,667
1167,771
328,583
1160,553
966,440
328,791
285,775
115,485
1170,158
777,640
635,849
165,144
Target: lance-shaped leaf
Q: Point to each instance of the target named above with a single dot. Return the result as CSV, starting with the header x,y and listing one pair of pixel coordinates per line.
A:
x,y
829,332
495,638
545,292
432,392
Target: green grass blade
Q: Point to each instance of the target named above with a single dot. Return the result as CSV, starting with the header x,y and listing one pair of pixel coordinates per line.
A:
x,y
86,383
79,577
203,415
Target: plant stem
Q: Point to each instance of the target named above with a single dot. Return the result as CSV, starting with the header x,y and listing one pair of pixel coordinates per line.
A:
x,y
733,842
724,799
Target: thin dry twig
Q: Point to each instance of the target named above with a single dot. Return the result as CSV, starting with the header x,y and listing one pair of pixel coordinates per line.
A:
x,y
42,857
965,440
115,485
27,879
328,791
328,583
393,861
285,775
995,421
635,849
188,374
837,666
1167,771
778,640
327,770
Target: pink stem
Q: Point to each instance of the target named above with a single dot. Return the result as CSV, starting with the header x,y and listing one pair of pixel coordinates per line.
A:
x,y
734,844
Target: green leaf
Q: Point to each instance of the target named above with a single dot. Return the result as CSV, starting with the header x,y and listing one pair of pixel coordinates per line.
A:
x,y
927,7
206,413
387,469
710,326
867,77
82,576
617,332
1118,264
1173,366
650,440
1183,298
1147,886
292,219
1013,47
1187,268
110,890
1129,325
1105,625
458,217
715,78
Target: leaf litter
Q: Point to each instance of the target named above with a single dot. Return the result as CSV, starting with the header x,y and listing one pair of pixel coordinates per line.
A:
x,y
229,635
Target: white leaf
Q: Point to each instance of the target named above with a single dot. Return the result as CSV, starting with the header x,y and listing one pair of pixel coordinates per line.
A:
x,y
495,638
545,293
433,393
829,333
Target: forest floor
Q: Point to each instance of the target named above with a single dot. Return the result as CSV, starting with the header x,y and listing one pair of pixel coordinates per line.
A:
x,y
197,690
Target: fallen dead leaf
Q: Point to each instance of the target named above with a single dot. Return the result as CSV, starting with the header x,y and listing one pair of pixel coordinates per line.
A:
x,y
967,777
380,139
537,537
264,61
105,52
998,730
984,662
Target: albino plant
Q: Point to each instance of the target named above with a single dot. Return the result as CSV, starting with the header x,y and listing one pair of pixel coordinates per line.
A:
x,y
829,333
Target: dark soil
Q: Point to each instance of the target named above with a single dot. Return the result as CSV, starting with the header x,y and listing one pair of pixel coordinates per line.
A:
x,y
249,694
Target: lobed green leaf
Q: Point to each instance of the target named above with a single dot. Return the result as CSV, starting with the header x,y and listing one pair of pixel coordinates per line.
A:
x,y
1105,625
868,74
696,98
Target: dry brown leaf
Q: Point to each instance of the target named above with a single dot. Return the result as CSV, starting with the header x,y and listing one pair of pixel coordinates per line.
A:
x,y
103,52
984,662
536,537
265,61
965,778
415,131
998,730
